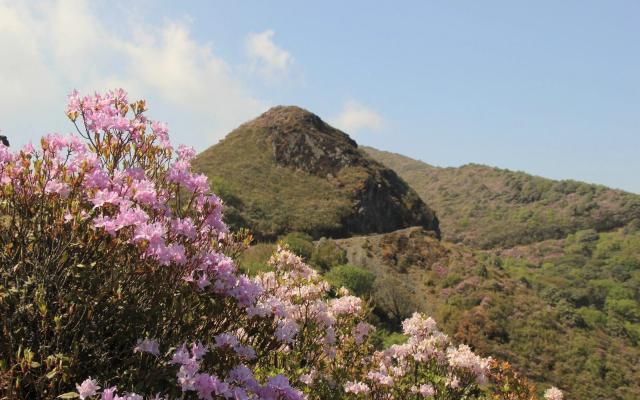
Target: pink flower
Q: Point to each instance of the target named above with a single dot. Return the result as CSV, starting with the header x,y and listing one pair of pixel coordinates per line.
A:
x,y
103,197
346,305
186,153
286,331
109,394
419,326
356,388
56,187
198,350
96,179
225,340
553,393
424,390
147,346
361,331
380,378
88,388
181,356
144,192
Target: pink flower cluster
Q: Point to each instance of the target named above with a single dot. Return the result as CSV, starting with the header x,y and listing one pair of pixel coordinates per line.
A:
x,y
553,393
411,365
295,296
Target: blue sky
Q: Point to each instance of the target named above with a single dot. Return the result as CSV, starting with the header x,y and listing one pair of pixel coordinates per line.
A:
x,y
548,87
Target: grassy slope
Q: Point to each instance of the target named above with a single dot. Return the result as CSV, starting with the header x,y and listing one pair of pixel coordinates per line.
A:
x,y
284,200
490,207
575,324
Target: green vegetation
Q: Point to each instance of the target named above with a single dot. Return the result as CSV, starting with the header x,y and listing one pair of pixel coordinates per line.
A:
x,y
288,171
358,280
490,207
564,312
563,305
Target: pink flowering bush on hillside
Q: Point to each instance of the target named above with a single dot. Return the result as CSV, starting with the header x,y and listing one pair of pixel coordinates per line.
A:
x,y
118,281
108,238
426,366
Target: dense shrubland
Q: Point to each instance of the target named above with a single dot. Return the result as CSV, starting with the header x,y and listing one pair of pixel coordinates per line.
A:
x,y
562,311
118,281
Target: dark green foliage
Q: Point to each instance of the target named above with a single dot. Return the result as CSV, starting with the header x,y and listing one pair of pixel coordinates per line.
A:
x,y
327,254
358,280
300,243
394,299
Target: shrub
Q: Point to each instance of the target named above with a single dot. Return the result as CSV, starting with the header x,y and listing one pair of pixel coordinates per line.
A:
x,y
300,243
327,254
394,299
357,280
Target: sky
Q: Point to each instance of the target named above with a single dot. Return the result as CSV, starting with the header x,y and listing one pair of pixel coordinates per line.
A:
x,y
546,87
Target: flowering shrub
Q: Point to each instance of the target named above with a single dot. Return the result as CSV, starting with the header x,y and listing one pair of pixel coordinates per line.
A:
x,y
108,237
425,366
116,265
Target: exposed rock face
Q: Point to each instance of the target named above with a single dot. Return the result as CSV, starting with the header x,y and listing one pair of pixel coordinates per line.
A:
x,y
302,140
299,160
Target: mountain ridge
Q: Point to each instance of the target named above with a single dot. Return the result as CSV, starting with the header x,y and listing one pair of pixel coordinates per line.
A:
x,y
489,207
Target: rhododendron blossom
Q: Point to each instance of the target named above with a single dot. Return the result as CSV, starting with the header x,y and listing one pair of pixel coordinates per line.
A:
x,y
553,393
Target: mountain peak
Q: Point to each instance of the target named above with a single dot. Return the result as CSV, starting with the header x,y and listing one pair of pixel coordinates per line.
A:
x,y
288,170
302,140
283,116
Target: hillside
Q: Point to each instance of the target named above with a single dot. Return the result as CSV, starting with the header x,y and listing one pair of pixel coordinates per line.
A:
x,y
491,207
288,170
565,312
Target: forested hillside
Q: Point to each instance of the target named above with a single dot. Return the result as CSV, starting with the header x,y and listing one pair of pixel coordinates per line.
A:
x,y
564,312
490,207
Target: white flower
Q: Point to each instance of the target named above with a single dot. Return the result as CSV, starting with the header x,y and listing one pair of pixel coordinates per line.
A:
x,y
553,393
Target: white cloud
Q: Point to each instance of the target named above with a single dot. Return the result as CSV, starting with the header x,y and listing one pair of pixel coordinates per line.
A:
x,y
49,50
355,118
269,60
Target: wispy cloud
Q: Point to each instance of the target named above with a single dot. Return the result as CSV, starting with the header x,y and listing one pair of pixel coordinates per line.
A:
x,y
267,58
48,50
356,118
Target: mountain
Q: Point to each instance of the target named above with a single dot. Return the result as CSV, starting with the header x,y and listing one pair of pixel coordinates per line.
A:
x,y
544,274
491,207
288,170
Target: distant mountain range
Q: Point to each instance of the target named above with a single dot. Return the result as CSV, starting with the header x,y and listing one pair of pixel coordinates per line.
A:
x,y
492,207
539,272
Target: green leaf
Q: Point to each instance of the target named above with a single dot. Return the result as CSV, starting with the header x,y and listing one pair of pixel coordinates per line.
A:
x,y
51,374
70,395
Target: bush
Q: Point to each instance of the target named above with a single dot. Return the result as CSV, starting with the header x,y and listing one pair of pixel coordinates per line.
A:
x,y
394,299
300,243
357,280
327,254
